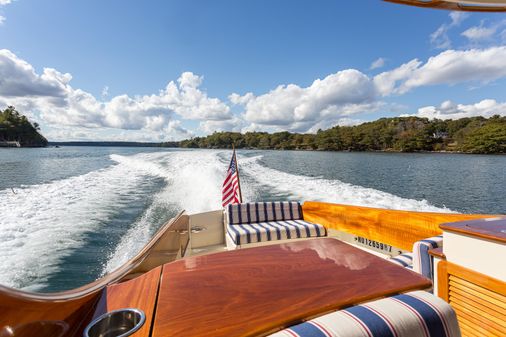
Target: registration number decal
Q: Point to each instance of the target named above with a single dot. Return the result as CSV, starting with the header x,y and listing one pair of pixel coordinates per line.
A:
x,y
373,244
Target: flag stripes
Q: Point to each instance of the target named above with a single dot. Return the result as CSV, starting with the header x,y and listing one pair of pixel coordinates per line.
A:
x,y
231,193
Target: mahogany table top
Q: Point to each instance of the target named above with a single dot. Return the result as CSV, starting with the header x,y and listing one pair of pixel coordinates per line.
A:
x,y
249,292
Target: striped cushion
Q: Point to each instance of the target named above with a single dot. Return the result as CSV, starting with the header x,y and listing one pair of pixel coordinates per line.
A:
x,y
262,212
404,260
423,263
274,230
415,314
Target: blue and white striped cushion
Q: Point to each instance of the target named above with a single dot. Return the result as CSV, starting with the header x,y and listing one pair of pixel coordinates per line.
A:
x,y
274,230
423,263
415,314
262,212
404,260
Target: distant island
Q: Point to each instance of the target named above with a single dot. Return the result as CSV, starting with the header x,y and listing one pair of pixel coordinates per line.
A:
x,y
17,131
399,134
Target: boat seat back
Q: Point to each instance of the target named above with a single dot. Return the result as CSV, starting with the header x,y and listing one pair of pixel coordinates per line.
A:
x,y
256,212
415,314
423,262
420,260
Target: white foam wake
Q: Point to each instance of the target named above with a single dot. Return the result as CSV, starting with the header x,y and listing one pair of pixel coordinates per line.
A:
x,y
335,191
195,179
41,224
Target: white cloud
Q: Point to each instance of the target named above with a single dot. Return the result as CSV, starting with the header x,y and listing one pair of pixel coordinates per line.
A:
x,y
482,33
450,110
338,99
479,33
3,3
298,109
174,131
448,67
51,96
105,91
440,39
348,93
237,99
18,79
233,124
379,63
386,82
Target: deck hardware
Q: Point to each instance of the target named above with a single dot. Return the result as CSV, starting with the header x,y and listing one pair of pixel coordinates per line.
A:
x,y
117,323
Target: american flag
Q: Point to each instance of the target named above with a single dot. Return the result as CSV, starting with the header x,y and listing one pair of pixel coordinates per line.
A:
x,y
231,186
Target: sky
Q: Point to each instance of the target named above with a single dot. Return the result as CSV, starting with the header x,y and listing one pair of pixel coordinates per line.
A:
x,y
154,70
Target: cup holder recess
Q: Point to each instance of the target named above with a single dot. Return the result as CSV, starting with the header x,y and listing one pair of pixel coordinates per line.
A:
x,y
117,323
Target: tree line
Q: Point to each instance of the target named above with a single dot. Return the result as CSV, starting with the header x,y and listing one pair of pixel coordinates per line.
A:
x,y
399,134
15,127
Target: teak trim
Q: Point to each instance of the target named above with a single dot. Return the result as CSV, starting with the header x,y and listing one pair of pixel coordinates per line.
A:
x,y
454,6
445,269
438,253
400,229
473,229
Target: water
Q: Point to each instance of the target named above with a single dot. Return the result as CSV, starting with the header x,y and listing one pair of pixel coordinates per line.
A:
x,y
68,215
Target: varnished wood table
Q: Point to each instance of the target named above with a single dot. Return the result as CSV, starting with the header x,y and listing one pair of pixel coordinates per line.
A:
x,y
250,292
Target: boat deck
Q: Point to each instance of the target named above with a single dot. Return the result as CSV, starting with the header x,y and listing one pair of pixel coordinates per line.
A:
x,y
257,291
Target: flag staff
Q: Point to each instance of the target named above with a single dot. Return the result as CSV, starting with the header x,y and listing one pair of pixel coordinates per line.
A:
x,y
237,169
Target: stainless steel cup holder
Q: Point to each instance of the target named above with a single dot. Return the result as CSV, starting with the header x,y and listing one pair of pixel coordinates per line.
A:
x,y
118,323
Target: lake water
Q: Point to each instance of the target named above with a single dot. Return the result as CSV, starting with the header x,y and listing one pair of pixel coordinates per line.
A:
x,y
68,215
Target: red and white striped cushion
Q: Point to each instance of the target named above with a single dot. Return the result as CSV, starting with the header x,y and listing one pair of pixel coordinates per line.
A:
x,y
415,314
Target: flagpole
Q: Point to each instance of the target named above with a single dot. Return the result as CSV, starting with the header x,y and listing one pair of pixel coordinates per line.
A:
x,y
237,169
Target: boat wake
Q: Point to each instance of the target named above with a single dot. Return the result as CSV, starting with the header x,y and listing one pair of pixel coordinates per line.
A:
x,y
42,224
335,191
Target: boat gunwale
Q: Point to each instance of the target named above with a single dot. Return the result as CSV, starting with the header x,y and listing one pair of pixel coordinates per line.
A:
x,y
99,284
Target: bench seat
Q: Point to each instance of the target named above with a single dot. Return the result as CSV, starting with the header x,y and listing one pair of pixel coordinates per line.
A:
x,y
242,234
253,223
415,314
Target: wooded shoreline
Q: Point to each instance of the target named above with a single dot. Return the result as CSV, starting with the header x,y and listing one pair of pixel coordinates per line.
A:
x,y
477,135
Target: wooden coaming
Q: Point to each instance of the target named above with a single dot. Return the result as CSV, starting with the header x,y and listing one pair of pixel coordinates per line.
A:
x,y
65,314
397,228
139,293
478,300
255,291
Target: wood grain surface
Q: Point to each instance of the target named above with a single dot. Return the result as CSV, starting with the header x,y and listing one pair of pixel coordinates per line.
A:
x,y
441,4
255,291
139,293
397,228
490,229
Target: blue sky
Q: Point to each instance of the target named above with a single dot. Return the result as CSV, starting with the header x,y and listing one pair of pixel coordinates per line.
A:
x,y
109,61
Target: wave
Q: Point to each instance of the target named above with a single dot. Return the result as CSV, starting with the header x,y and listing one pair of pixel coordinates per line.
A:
x,y
319,189
42,224
194,184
